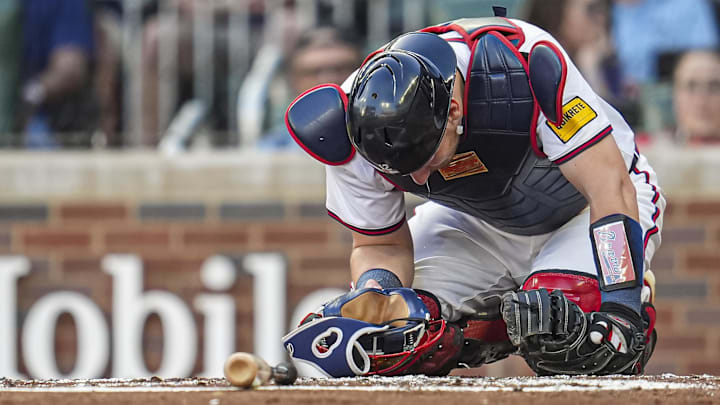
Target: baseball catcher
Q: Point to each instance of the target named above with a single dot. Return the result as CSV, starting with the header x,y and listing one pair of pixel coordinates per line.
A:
x,y
541,221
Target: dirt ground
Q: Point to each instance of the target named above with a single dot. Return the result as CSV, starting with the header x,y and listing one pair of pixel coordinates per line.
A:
x,y
415,390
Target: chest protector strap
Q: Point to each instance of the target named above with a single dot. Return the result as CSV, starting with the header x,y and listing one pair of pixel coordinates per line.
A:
x,y
545,70
316,120
497,91
471,28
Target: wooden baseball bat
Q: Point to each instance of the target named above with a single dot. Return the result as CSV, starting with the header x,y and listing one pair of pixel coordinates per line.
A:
x,y
248,370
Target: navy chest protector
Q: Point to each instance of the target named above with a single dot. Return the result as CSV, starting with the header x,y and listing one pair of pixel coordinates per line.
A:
x,y
499,173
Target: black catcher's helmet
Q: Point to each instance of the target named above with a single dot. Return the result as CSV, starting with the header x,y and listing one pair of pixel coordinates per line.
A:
x,y
400,101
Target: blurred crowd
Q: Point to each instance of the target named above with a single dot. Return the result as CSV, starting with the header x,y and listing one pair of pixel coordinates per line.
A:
x,y
177,73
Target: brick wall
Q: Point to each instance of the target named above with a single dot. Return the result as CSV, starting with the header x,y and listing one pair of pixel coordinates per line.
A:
x,y
174,223
688,271
66,242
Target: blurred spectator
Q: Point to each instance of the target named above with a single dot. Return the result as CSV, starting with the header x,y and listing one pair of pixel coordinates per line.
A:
x,y
159,28
9,67
56,64
582,27
322,55
107,71
644,29
696,98
174,23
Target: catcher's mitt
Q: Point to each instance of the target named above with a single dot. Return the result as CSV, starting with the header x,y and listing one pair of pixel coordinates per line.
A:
x,y
556,337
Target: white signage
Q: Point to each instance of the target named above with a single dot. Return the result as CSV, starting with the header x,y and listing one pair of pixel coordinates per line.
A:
x,y
131,305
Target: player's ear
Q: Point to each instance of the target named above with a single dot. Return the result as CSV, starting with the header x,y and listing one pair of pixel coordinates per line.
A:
x,y
456,111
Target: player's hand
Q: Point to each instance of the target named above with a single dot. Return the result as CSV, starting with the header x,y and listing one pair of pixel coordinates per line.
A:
x,y
617,326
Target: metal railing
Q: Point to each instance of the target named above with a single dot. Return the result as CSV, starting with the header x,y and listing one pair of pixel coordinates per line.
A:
x,y
187,73
252,57
249,69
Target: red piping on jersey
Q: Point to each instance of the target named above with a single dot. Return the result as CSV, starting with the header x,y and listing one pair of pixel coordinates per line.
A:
x,y
373,232
344,98
468,38
519,32
533,132
466,90
513,49
656,214
597,138
563,78
441,29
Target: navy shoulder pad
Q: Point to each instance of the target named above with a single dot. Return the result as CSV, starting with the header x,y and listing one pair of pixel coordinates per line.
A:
x,y
316,120
547,70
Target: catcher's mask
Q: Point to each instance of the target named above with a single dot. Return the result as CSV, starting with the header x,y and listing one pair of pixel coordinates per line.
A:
x,y
343,347
400,101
